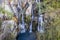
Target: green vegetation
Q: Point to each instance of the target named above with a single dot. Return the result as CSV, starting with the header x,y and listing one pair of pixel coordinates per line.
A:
x,y
3,11
52,28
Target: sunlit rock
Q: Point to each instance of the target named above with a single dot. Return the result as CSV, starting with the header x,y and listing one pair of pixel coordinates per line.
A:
x,y
9,27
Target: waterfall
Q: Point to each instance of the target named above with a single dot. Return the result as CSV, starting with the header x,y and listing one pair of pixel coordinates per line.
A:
x,y
32,17
40,20
40,24
30,27
23,23
31,24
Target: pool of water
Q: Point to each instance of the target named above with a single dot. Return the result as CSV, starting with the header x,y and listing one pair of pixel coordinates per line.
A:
x,y
26,36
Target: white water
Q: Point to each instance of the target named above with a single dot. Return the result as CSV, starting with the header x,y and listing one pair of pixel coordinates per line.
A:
x,y
30,27
23,25
40,25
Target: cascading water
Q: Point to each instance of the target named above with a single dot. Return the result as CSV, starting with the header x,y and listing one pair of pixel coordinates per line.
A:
x,y
30,27
23,25
40,24
31,19
31,24
40,20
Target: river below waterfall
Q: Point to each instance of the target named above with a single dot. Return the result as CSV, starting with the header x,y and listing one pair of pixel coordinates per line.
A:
x,y
26,36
